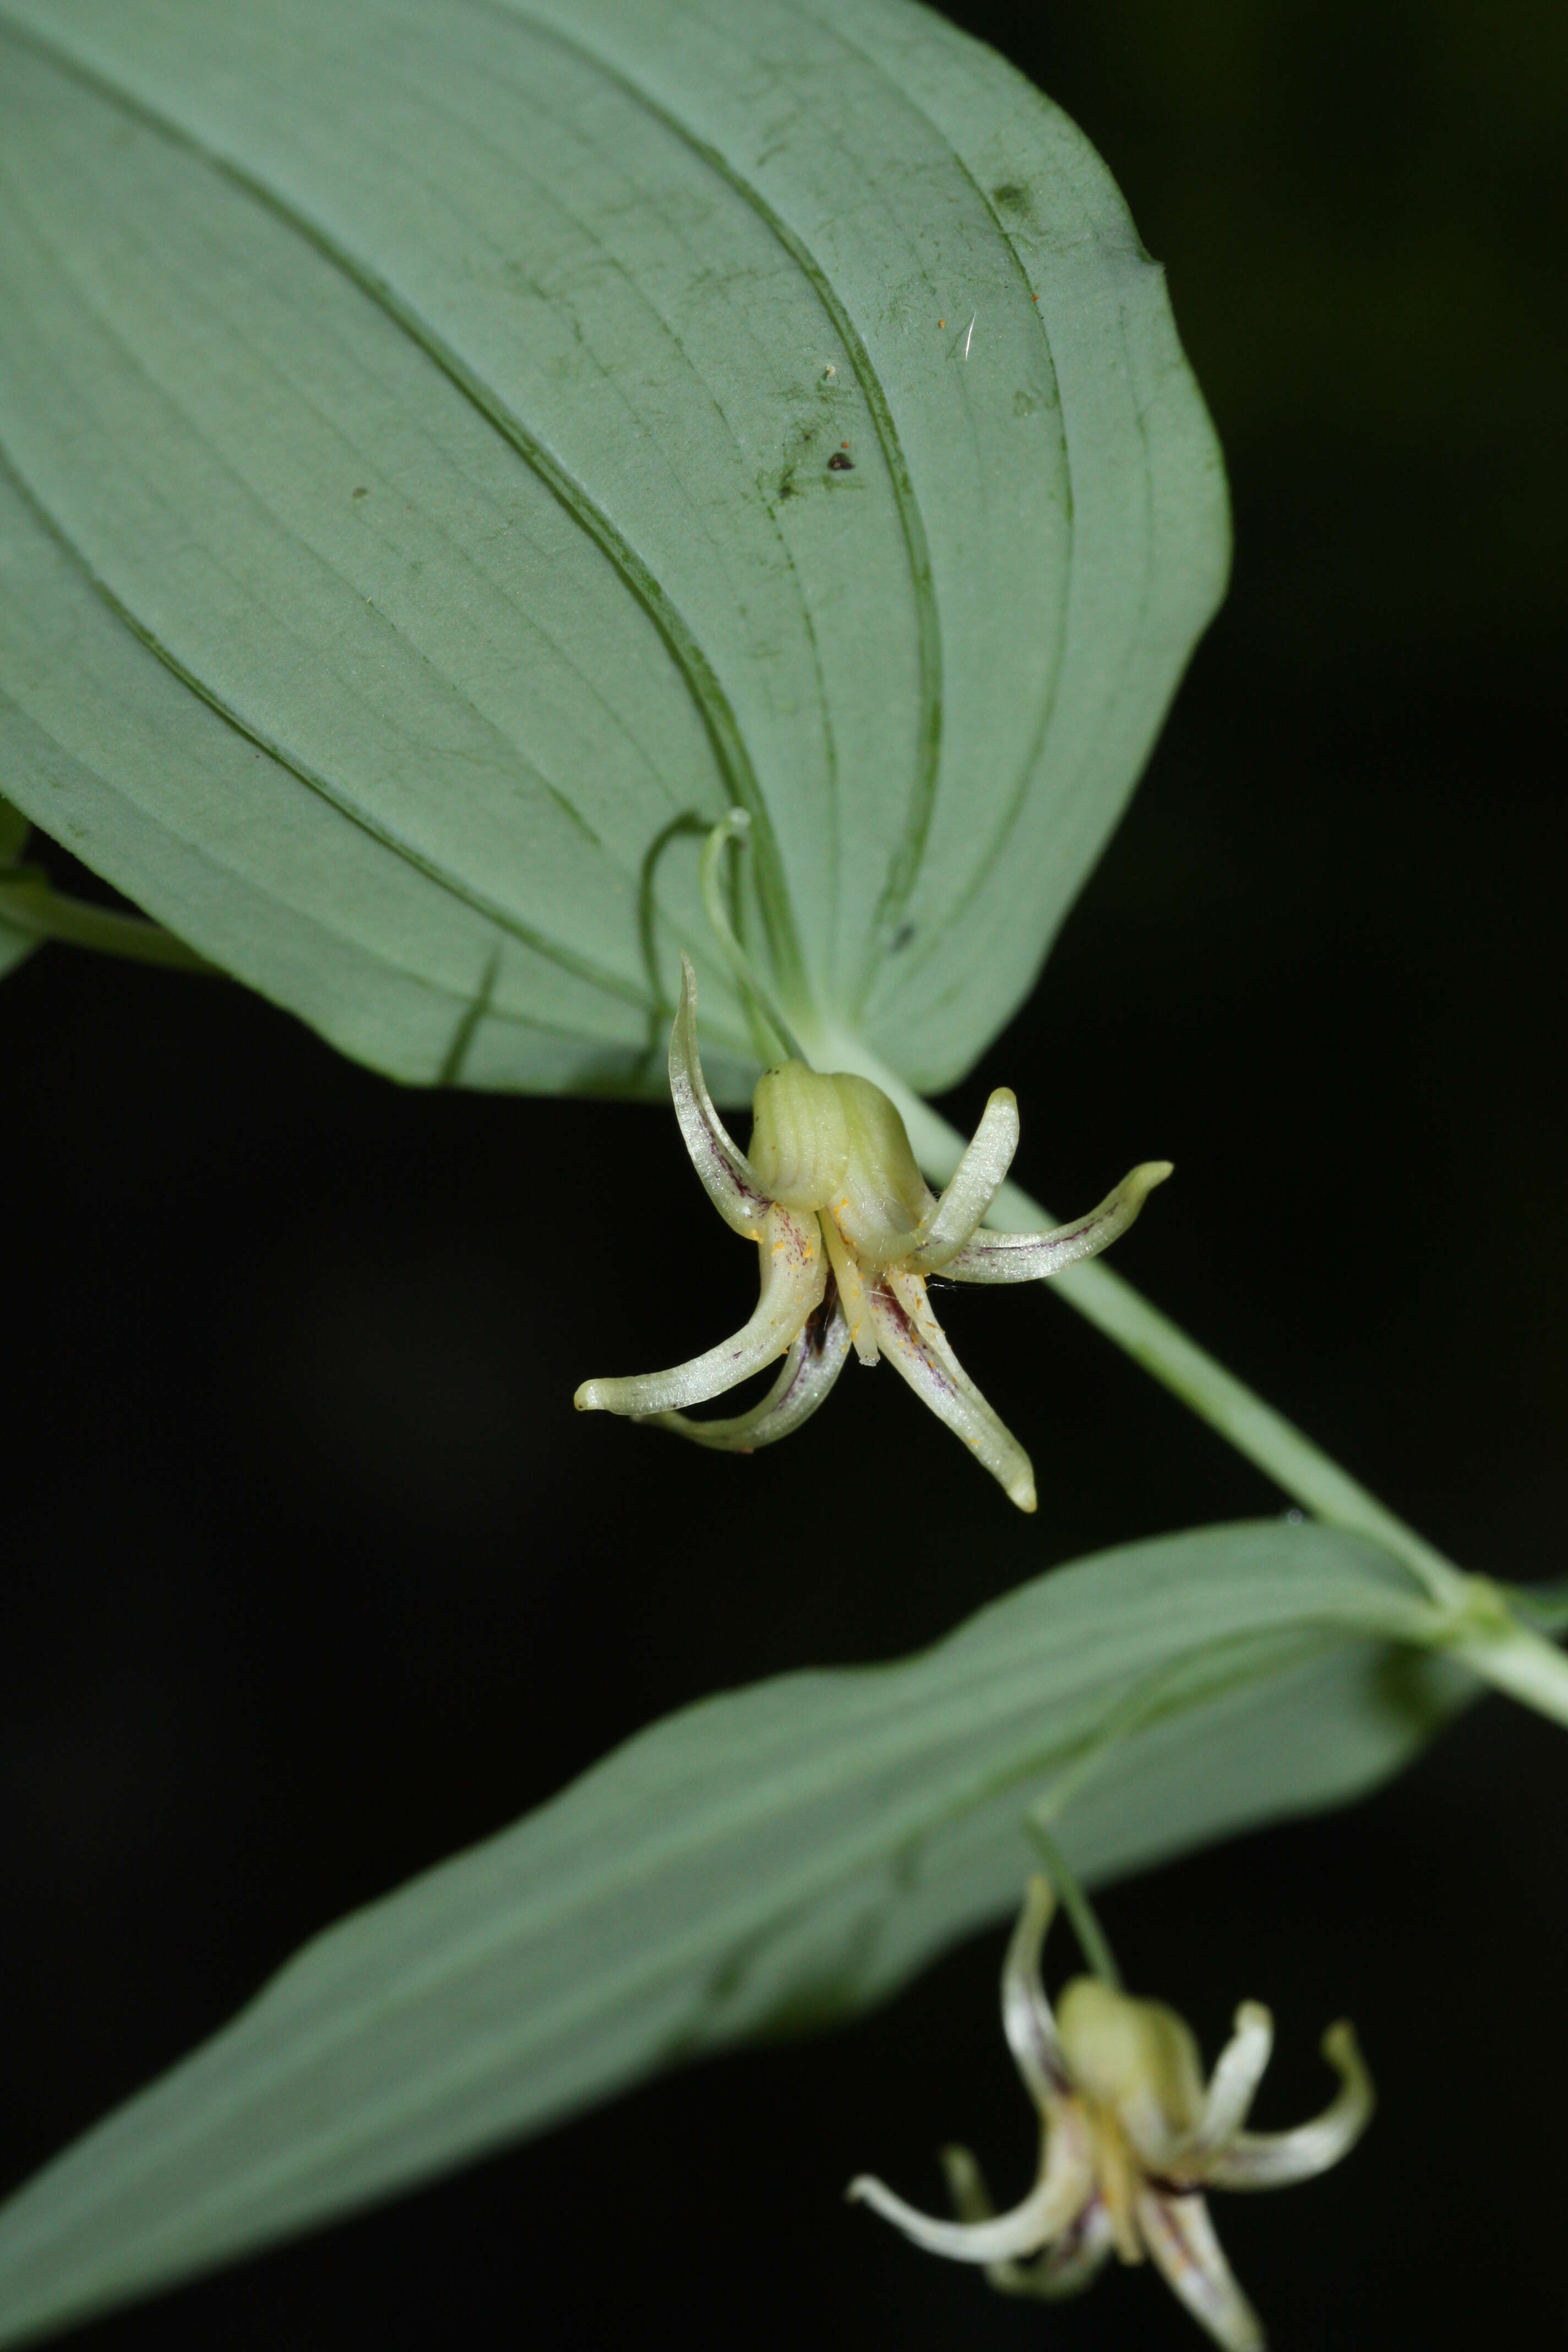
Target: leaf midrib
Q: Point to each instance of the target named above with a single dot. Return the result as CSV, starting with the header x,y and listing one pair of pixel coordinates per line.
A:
x,y
526,99
904,859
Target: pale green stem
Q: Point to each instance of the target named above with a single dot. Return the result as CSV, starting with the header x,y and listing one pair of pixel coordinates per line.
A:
x,y
1473,1620
1489,1638
1092,1941
1110,1302
30,902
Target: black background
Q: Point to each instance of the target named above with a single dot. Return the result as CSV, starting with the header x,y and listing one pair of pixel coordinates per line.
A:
x,y
311,1575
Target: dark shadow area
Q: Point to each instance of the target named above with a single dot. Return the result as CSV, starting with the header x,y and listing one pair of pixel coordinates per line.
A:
x,y
312,1575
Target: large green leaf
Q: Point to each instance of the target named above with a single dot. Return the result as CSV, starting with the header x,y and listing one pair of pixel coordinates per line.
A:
x,y
417,495
761,1860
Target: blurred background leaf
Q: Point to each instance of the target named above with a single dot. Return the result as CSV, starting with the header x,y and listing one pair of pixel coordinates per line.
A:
x,y
772,1858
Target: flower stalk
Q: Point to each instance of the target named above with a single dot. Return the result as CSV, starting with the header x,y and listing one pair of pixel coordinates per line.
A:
x,y
29,901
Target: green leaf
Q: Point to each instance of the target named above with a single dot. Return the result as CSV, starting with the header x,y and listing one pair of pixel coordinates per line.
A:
x,y
757,1863
418,495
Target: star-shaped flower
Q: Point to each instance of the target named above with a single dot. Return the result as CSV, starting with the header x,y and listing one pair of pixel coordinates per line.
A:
x,y
847,1231
1131,2136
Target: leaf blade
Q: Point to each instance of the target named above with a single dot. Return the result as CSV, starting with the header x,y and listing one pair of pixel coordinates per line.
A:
x,y
759,1861
623,271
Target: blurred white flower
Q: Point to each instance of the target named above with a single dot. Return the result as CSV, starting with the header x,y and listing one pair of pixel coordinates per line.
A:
x,y
1131,2136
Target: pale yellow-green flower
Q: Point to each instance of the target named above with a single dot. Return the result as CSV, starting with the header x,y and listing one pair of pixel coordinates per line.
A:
x,y
847,1231
1131,2136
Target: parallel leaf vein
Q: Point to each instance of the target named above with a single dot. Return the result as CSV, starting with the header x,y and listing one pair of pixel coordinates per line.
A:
x,y
580,967
905,858
713,707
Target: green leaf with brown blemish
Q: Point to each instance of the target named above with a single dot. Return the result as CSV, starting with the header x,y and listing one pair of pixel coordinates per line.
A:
x,y
441,446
